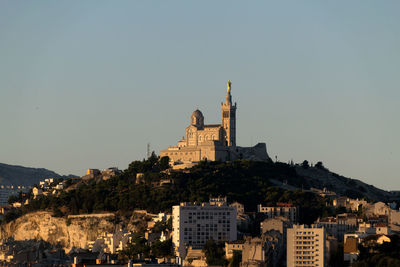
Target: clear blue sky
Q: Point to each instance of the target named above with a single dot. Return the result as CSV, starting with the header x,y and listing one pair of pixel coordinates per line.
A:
x,y
87,84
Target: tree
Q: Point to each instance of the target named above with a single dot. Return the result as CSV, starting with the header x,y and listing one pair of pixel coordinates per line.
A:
x,y
12,199
12,215
164,163
161,249
305,164
214,253
320,165
57,212
336,259
137,248
236,259
159,227
373,254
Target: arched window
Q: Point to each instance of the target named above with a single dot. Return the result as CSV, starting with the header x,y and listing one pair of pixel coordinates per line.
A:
x,y
200,138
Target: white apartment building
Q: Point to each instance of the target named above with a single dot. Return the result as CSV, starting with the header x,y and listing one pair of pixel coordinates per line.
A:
x,y
193,225
305,246
281,209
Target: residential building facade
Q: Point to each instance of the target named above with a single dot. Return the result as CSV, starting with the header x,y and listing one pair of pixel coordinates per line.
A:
x,y
305,246
286,210
193,225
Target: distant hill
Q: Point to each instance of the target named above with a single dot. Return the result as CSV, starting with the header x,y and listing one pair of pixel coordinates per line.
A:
x,y
19,175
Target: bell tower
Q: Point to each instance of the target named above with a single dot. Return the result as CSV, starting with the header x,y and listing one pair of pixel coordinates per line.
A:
x,y
229,118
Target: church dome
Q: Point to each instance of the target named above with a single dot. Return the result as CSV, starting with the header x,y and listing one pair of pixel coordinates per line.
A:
x,y
197,113
197,118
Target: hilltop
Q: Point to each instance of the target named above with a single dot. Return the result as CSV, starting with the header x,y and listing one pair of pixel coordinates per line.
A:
x,y
19,175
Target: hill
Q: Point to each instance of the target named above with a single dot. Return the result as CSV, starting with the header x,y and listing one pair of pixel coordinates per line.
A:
x,y
19,175
320,177
248,182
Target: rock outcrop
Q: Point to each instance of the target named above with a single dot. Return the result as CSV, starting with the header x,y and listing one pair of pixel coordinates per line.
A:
x,y
75,231
256,153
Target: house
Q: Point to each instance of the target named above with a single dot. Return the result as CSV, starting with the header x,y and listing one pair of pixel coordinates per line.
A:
x,y
281,209
195,257
17,204
239,207
340,202
382,228
36,192
231,247
381,208
350,250
279,224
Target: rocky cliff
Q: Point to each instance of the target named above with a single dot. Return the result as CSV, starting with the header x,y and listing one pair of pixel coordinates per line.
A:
x,y
75,231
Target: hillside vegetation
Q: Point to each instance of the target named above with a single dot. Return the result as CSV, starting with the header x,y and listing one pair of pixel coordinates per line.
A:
x,y
247,182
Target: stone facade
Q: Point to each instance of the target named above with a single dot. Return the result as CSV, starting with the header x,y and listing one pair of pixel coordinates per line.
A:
x,y
214,142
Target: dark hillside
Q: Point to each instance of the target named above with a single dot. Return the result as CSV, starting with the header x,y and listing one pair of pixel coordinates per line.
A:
x,y
321,177
247,182
19,175
243,181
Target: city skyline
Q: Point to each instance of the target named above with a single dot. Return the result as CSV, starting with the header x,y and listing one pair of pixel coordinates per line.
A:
x,y
89,84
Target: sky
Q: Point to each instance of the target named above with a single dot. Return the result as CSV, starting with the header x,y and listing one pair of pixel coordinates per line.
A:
x,y
88,84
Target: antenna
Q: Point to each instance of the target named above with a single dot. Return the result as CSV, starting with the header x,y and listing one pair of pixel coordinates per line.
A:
x,y
148,150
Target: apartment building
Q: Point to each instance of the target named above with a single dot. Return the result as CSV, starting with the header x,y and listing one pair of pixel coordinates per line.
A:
x,y
193,225
305,246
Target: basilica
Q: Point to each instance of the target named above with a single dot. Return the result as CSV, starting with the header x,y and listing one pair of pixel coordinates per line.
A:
x,y
215,142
